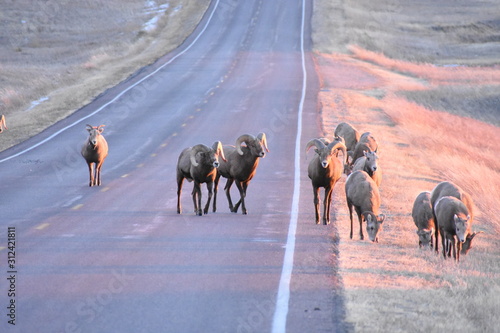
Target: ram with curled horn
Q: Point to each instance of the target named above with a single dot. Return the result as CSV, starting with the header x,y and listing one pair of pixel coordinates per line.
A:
x,y
240,167
324,170
198,164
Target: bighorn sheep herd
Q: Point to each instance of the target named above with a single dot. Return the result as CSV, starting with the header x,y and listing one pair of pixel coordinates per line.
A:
x,y
447,211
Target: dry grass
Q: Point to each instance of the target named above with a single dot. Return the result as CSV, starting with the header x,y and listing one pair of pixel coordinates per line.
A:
x,y
394,286
64,54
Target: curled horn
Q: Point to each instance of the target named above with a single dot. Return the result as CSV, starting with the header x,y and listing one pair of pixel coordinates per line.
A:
x,y
101,128
263,140
89,127
315,142
195,150
341,146
217,148
243,138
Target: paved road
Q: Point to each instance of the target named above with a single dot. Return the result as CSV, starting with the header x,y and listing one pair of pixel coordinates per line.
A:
x,y
117,258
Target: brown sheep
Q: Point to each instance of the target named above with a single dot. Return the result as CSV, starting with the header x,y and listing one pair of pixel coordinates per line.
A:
x,y
95,151
362,194
349,133
325,170
452,220
369,164
450,189
366,143
424,219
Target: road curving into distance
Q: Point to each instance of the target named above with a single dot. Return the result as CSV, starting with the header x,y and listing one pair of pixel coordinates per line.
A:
x,y
118,258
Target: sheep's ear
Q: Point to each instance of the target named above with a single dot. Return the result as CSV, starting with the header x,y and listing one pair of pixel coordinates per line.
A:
x,y
381,218
455,218
468,217
101,128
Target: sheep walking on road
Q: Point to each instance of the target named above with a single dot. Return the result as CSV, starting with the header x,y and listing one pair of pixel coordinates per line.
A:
x,y
95,151
198,164
324,170
240,167
362,194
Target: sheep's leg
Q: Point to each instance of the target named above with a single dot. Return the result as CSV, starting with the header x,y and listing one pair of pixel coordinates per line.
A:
x,y
242,187
97,178
436,236
327,203
197,199
91,173
216,186
443,243
349,205
228,194
459,247
180,180
316,203
210,193
360,219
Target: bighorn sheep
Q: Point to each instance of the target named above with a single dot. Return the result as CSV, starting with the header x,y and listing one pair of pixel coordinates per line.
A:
x,y
362,194
198,164
444,189
467,245
349,133
369,164
424,219
3,124
95,151
325,170
452,219
367,142
240,167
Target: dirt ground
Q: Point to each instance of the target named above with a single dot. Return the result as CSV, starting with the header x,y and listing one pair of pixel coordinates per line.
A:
x,y
434,122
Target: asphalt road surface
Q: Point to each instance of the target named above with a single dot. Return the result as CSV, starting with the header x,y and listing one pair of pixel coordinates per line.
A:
x,y
118,258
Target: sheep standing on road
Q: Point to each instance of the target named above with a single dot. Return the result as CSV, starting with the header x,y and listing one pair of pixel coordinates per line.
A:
x,y
362,194
325,170
453,220
240,166
424,219
95,151
198,164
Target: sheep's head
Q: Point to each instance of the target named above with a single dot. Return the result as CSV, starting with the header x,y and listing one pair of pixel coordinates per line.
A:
x,y
467,245
371,161
257,146
373,225
461,226
425,237
94,133
325,150
206,156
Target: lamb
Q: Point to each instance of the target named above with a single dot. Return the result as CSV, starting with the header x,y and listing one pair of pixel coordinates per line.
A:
x,y
3,124
198,164
368,143
95,151
240,167
325,170
424,219
453,220
369,164
362,194
450,189
349,133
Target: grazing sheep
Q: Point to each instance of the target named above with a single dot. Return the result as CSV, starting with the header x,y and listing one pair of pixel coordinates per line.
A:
x,y
424,219
452,220
349,133
362,194
444,189
366,143
467,245
95,151
3,124
369,164
240,167
325,170
198,164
